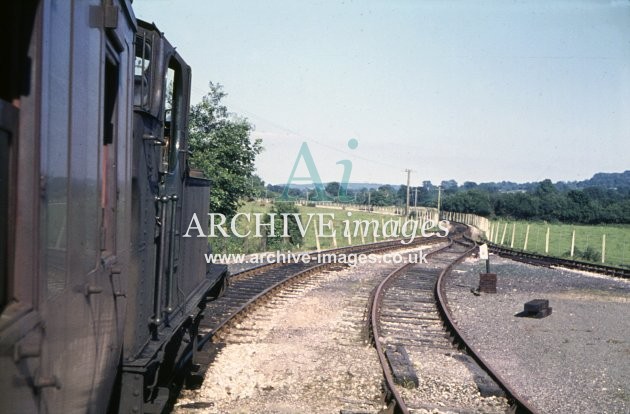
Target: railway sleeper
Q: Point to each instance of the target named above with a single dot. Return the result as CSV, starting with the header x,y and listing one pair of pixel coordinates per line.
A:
x,y
433,340
486,385
240,296
402,367
213,322
246,288
414,297
250,289
202,362
218,308
409,286
413,346
406,315
418,331
412,308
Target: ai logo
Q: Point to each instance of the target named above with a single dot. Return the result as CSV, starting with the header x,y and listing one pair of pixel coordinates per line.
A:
x,y
313,174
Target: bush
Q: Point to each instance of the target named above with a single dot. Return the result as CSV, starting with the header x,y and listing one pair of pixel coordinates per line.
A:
x,y
590,254
278,241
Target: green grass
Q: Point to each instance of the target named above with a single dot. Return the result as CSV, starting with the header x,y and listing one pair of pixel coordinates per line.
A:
x,y
256,244
587,238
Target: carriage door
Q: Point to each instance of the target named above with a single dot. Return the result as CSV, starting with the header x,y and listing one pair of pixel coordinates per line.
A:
x,y
170,189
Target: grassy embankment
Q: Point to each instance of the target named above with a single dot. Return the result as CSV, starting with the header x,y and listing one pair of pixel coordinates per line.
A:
x,y
256,244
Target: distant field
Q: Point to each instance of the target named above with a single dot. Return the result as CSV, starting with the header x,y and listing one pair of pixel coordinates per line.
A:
x,y
254,244
588,240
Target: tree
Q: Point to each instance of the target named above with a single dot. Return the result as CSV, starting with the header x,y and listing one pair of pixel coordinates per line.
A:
x,y
257,187
384,196
545,187
448,185
473,201
362,195
222,148
469,185
426,195
332,188
401,194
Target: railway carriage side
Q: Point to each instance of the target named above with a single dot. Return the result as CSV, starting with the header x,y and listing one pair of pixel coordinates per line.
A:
x,y
67,201
98,291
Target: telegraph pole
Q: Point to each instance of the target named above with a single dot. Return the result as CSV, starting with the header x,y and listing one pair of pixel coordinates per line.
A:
x,y
408,171
439,200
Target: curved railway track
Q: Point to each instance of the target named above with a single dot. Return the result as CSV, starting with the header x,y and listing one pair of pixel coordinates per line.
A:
x,y
537,259
248,288
409,309
542,260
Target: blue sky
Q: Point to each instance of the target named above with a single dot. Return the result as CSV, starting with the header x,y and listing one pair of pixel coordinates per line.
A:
x,y
477,91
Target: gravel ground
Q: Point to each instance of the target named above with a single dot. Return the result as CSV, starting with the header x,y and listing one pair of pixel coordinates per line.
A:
x,y
447,386
303,352
577,360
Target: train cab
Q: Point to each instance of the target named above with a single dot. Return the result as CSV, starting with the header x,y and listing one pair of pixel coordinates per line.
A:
x,y
162,327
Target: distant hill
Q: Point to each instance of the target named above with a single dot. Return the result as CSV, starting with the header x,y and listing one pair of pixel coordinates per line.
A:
x,y
607,180
601,180
351,186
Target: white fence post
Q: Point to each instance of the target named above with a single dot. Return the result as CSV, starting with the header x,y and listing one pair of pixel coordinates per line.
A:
x,y
526,238
547,241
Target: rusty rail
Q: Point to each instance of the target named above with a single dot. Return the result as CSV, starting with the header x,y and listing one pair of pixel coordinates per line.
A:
x,y
520,403
374,309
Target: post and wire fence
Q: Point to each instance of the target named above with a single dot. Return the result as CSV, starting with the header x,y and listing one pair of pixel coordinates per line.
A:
x,y
605,244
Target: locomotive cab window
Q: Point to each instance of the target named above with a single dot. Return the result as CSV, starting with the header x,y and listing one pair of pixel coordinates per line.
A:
x,y
172,114
142,71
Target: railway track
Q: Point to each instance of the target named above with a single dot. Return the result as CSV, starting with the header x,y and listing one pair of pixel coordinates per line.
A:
x,y
537,259
248,288
408,313
542,260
